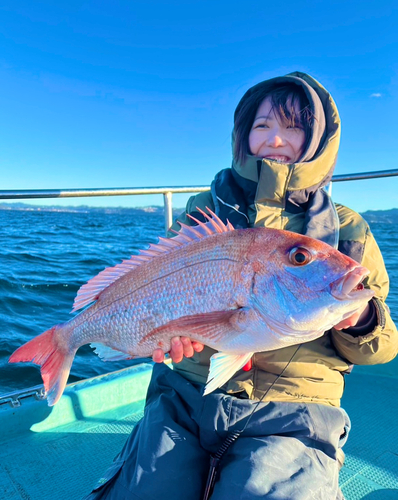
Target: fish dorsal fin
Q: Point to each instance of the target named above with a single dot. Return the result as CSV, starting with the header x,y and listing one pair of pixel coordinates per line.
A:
x,y
90,292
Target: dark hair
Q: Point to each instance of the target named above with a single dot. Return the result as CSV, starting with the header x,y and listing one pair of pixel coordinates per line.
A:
x,y
283,97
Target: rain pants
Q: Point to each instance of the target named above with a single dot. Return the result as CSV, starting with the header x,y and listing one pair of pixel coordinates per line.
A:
x,y
285,450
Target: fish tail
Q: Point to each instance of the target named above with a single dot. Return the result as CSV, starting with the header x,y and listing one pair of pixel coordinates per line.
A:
x,y
54,360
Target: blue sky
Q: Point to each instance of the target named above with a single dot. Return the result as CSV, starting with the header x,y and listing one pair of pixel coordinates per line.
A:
x,y
142,93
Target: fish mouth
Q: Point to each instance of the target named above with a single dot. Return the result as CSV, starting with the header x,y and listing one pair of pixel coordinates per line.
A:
x,y
350,286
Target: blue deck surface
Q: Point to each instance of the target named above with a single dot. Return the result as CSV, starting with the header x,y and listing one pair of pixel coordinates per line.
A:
x,y
59,453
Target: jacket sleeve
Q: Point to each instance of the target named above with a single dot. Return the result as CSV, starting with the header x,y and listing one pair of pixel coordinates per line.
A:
x,y
380,345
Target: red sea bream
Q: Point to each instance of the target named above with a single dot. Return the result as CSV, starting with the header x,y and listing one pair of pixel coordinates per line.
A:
x,y
237,291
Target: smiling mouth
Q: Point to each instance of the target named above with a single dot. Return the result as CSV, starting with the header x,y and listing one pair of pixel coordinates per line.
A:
x,y
278,158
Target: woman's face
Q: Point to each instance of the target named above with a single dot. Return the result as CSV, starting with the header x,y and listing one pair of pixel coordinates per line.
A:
x,y
270,138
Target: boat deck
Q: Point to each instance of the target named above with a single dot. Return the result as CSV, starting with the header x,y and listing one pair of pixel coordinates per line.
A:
x,y
59,453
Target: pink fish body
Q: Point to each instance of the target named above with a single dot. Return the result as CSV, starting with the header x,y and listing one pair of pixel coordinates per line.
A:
x,y
237,291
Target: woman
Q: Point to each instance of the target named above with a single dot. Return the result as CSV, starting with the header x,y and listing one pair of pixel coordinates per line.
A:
x,y
276,428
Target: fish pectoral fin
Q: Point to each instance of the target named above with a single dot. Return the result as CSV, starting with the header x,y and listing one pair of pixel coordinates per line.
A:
x,y
210,326
106,353
222,367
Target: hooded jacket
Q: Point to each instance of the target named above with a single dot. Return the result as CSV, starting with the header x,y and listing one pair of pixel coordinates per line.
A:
x,y
262,192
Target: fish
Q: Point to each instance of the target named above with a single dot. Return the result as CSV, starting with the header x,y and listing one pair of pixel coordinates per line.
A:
x,y
238,291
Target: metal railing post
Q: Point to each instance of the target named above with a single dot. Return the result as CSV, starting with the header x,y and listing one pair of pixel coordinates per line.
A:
x,y
168,210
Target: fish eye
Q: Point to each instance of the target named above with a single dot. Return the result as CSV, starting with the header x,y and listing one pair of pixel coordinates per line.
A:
x,y
300,256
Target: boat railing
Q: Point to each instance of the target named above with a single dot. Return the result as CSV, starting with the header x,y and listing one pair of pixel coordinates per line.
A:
x,y
14,399
167,192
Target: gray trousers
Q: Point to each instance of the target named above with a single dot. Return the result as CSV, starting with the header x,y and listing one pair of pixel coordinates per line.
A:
x,y
288,451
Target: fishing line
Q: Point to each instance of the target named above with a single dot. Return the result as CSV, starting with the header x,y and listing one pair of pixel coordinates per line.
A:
x,y
233,436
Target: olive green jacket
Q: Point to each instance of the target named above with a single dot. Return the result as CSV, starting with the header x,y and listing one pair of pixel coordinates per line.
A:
x,y
262,192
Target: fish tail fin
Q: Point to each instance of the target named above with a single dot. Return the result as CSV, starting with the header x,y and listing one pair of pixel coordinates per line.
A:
x,y
54,360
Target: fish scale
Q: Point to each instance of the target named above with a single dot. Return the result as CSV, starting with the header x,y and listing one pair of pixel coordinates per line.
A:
x,y
196,287
238,291
176,295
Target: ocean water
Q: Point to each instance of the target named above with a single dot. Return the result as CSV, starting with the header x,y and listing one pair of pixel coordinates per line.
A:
x,y
45,256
